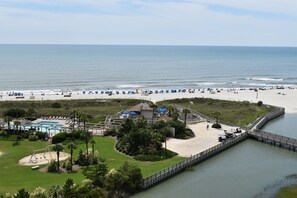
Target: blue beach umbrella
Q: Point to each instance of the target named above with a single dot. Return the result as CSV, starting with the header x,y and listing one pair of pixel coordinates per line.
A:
x,y
125,112
133,113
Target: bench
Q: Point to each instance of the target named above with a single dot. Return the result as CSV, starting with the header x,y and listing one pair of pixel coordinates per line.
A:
x,y
35,167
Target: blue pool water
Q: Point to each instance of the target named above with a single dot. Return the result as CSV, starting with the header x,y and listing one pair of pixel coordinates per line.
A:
x,y
45,126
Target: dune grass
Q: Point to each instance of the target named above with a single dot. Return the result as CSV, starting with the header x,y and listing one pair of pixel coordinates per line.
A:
x,y
14,176
98,109
288,192
230,112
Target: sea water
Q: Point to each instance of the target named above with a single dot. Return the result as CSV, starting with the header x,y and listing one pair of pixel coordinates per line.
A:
x,y
91,67
249,169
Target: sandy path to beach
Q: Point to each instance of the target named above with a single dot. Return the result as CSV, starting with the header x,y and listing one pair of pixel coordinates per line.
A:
x,y
204,139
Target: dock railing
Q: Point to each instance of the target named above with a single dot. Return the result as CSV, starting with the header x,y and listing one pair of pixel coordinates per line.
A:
x,y
195,159
252,131
261,121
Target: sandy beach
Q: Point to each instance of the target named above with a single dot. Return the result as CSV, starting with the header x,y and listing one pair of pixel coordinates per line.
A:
x,y
279,97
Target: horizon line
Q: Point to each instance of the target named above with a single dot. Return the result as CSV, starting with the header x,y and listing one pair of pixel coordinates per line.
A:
x,y
164,45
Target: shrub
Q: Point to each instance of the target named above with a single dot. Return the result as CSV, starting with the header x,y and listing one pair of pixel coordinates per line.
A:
x,y
56,105
33,138
22,193
39,193
81,159
59,138
68,165
111,132
216,126
260,103
26,134
52,167
15,113
40,135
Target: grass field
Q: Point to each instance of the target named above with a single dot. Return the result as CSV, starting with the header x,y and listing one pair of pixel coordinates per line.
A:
x,y
288,192
97,108
235,113
14,176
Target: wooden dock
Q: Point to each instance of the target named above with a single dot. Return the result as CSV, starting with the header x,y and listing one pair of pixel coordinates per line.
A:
x,y
253,132
274,139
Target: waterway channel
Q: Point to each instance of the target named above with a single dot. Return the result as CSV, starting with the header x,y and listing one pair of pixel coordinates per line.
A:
x,y
240,172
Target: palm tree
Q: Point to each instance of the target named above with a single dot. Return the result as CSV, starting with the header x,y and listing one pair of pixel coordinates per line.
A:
x,y
83,118
73,116
8,119
186,111
17,123
71,146
58,148
93,142
86,136
217,114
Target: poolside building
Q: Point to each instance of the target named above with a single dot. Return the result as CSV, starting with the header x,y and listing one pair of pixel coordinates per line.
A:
x,y
142,109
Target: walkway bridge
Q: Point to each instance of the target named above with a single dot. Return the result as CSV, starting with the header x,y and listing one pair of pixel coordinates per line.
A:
x,y
253,131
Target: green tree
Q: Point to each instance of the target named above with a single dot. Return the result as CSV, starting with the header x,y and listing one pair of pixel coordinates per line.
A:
x,y
127,179
73,117
22,193
58,148
97,173
83,118
217,114
86,136
71,145
186,112
93,142
15,113
69,189
8,119
17,123
39,193
55,191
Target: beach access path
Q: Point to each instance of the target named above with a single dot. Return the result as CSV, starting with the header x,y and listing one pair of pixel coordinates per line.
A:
x,y
204,139
285,98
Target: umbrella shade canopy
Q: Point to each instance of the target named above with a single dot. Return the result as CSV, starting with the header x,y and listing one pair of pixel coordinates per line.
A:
x,y
125,112
133,113
162,110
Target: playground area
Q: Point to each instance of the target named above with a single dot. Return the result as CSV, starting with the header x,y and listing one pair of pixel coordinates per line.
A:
x,y
42,156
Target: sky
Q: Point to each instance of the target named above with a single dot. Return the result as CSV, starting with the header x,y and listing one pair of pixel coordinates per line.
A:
x,y
149,22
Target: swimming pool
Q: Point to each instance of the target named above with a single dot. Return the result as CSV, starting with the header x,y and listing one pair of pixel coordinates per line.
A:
x,y
45,126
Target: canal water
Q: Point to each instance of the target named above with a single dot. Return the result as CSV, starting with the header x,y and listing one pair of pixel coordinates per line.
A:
x,y
244,171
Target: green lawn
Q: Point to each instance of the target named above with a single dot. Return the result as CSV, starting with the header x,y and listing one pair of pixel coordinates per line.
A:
x,y
231,112
288,192
14,176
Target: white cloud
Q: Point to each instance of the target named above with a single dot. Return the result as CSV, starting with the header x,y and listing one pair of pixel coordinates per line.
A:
x,y
189,23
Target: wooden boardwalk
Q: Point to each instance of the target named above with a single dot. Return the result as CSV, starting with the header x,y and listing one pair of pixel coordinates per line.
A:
x,y
253,132
274,139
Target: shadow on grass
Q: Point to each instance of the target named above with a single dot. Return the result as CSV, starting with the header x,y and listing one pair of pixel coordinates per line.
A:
x,y
16,144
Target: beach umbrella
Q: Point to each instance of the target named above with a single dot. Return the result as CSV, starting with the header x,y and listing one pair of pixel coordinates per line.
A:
x,y
161,110
133,113
125,112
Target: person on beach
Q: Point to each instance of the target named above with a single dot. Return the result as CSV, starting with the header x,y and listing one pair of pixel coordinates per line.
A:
x,y
207,127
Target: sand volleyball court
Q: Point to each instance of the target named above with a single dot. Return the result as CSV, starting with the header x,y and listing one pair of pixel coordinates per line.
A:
x,y
42,158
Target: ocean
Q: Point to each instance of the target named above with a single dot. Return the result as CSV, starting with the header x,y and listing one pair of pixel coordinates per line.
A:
x,y
99,67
